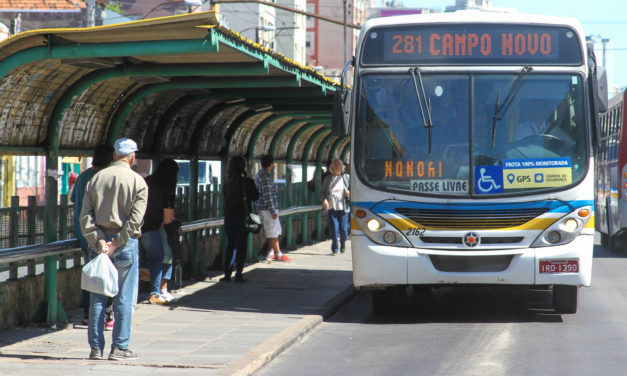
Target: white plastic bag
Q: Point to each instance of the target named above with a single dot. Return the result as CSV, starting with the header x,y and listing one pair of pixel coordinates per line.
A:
x,y
100,276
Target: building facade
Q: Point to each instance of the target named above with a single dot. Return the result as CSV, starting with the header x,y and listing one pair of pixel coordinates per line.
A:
x,y
326,49
253,21
291,31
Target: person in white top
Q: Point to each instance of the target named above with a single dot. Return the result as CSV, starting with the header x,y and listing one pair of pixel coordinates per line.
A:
x,y
335,197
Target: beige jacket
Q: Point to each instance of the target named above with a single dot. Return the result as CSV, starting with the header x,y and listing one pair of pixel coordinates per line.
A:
x,y
114,203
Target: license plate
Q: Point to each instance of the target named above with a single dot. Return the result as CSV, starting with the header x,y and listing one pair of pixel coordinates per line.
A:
x,y
559,266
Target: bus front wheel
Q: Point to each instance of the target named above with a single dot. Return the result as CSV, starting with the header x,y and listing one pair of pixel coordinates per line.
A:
x,y
605,240
383,301
565,298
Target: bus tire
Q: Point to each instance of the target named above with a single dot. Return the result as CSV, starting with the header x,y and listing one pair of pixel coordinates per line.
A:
x,y
565,298
383,301
605,240
614,244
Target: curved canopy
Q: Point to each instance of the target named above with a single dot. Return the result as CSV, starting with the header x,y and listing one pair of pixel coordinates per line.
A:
x,y
180,86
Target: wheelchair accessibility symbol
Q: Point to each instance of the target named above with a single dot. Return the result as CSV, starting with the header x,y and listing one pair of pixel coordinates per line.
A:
x,y
488,179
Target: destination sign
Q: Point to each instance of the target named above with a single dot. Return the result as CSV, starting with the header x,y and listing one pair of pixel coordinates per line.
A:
x,y
410,169
471,44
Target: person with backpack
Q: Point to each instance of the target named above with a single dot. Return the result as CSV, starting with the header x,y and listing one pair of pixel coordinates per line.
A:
x,y
335,197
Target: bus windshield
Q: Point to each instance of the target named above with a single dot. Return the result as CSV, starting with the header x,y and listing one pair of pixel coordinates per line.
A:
x,y
476,146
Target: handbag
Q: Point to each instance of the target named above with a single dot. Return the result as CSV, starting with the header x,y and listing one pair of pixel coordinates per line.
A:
x,y
100,276
253,222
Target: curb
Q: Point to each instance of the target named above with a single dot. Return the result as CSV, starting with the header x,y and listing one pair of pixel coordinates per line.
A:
x,y
261,355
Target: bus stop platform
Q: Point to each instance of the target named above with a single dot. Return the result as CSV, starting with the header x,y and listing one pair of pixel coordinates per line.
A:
x,y
215,328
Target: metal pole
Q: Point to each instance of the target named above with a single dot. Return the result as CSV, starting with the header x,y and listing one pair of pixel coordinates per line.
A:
x,y
91,13
193,215
2,180
345,45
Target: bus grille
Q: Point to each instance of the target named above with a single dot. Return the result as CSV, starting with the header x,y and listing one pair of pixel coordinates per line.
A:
x,y
471,219
471,264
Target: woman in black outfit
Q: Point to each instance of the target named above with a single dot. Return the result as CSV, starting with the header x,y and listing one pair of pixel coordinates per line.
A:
x,y
239,191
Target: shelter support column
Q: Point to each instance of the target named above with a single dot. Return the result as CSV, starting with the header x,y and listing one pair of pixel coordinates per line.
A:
x,y
193,215
321,147
50,310
288,204
305,161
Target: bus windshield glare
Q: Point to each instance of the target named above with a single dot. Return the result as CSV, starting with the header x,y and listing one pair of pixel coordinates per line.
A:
x,y
476,147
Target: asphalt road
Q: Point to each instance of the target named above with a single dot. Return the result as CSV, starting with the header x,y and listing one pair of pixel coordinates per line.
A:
x,y
475,331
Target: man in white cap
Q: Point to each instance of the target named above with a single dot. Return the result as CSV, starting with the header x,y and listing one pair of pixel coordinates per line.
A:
x,y
111,219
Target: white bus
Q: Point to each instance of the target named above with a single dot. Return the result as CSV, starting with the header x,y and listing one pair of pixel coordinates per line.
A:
x,y
611,176
472,152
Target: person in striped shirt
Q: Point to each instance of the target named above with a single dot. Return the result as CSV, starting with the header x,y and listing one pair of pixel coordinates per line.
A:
x,y
268,208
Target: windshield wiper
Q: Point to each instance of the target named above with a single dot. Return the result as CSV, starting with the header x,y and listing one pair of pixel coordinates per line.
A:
x,y
499,111
426,110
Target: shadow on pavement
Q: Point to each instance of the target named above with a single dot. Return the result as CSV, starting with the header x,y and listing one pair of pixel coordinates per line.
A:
x,y
464,304
283,290
603,252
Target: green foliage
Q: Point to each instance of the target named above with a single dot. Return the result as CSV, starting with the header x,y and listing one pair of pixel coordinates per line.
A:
x,y
114,7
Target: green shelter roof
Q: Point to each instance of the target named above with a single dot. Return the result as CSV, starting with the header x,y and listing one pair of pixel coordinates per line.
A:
x,y
180,86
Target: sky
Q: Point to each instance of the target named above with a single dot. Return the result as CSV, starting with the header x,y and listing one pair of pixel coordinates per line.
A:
x,y
607,18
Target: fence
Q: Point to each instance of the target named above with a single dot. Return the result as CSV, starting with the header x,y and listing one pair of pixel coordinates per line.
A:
x,y
23,227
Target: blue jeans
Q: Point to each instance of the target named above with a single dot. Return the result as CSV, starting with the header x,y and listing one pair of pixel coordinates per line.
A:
x,y
153,246
125,260
338,219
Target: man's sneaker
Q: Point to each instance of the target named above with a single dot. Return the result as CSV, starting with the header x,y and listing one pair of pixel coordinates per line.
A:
x,y
119,354
109,325
157,299
96,353
284,258
165,294
270,258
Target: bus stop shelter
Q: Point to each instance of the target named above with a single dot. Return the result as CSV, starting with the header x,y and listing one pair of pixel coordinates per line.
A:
x,y
181,87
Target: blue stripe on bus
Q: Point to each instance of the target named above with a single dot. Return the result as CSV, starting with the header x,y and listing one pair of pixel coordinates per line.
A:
x,y
386,207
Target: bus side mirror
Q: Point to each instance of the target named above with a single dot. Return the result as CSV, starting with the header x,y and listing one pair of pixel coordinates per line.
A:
x,y
340,113
601,89
340,116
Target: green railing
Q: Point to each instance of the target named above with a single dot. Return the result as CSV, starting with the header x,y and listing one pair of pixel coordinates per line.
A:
x,y
23,254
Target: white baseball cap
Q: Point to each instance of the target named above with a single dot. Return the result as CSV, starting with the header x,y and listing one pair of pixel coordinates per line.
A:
x,y
125,146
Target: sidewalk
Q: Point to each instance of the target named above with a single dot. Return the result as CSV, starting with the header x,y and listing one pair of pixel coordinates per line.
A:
x,y
216,328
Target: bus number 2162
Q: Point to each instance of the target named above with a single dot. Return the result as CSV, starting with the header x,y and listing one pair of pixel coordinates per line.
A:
x,y
416,231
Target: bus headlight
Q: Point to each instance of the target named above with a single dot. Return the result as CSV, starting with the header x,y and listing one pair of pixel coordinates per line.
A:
x,y
373,224
570,225
378,229
566,229
389,237
554,237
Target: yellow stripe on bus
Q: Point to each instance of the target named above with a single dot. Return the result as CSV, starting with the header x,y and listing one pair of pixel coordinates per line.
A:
x,y
590,223
355,225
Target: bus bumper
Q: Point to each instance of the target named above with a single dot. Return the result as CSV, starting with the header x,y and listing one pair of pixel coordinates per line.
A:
x,y
378,265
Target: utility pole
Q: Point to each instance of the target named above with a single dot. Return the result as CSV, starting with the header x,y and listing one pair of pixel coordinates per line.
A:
x,y
16,24
345,45
91,13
